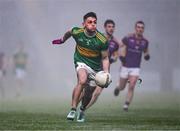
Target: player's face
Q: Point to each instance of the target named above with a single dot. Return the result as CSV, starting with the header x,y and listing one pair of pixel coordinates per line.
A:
x,y
139,29
109,28
90,24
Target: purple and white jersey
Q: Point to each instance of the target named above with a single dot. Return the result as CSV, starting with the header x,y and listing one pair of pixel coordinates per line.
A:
x,y
112,46
135,47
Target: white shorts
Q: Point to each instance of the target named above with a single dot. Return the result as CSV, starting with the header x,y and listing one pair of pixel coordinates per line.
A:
x,y
125,72
20,73
90,71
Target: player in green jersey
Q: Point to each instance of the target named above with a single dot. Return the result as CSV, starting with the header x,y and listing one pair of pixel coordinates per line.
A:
x,y
91,55
89,95
20,61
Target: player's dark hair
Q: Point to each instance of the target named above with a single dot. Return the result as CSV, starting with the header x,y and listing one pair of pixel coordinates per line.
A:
x,y
89,14
109,21
140,22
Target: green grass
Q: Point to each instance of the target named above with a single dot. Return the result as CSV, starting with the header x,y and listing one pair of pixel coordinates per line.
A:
x,y
147,112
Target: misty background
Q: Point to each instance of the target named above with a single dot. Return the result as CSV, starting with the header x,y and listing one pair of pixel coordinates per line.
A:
x,y
50,69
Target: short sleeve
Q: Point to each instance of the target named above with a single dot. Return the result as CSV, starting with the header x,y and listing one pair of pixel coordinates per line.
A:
x,y
104,46
125,40
73,31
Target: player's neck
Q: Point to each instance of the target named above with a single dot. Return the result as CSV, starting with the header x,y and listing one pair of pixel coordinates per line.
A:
x,y
138,36
89,34
108,36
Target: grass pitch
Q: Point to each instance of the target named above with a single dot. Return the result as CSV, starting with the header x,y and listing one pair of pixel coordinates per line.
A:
x,y
150,111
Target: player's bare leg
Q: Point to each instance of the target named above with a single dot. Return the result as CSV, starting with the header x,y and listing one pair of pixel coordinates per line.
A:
x,y
121,85
20,85
88,91
91,95
95,96
130,94
82,78
2,90
89,99
80,97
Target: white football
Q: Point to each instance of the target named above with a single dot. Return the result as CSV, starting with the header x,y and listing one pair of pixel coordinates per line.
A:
x,y
102,78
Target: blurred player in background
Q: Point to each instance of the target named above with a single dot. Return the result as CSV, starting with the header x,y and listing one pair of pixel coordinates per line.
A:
x,y
113,43
20,59
3,70
133,46
91,51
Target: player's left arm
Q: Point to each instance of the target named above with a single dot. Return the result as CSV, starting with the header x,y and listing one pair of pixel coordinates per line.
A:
x,y
66,36
122,53
114,56
106,66
119,42
146,54
105,60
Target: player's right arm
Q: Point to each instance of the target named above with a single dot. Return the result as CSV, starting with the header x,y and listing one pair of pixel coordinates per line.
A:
x,y
122,53
66,36
105,60
115,54
146,54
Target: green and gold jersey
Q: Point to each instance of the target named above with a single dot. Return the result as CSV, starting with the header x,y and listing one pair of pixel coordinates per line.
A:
x,y
88,49
20,60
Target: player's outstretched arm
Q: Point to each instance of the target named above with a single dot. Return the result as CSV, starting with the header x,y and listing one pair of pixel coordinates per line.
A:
x,y
114,57
66,36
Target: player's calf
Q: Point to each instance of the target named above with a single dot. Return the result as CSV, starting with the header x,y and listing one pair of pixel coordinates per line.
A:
x,y
116,91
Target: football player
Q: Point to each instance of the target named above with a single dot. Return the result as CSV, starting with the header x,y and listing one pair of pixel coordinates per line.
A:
x,y
91,94
20,60
3,69
91,51
134,45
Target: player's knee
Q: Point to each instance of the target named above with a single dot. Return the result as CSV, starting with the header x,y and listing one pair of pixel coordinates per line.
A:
x,y
132,83
82,81
122,87
131,87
